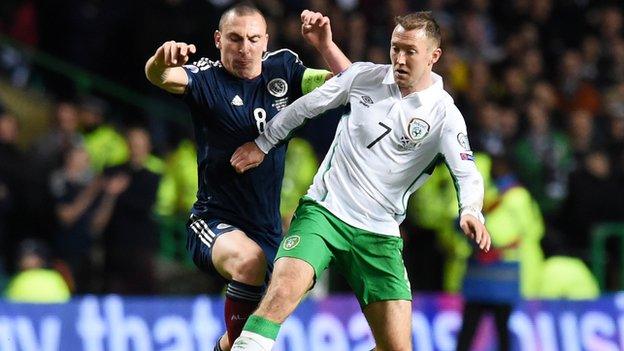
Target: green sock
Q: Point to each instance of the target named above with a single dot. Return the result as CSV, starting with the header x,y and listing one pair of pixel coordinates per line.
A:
x,y
262,326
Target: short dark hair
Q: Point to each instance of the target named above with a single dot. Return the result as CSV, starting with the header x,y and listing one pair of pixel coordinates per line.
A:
x,y
421,20
240,9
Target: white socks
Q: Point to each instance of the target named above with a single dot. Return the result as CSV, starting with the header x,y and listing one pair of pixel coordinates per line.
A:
x,y
249,341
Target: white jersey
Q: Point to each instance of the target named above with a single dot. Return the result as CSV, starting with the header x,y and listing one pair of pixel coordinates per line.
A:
x,y
385,147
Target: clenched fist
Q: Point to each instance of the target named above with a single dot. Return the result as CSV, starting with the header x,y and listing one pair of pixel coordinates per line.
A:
x,y
173,54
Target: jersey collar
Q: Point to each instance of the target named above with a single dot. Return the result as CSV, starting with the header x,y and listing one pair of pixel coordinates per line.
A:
x,y
428,94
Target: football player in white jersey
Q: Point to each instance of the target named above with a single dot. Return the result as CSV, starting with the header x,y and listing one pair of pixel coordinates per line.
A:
x,y
401,122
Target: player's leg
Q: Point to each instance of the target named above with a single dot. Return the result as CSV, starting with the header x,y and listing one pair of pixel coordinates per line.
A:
x,y
391,324
225,248
291,279
471,318
374,268
302,255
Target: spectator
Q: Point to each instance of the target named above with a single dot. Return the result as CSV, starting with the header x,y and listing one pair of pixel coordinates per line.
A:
x,y
575,92
544,159
594,196
106,147
488,137
36,282
63,135
583,133
563,275
511,269
15,175
124,217
75,190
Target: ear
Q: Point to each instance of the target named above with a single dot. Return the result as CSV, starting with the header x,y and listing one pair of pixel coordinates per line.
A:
x,y
266,43
217,39
435,56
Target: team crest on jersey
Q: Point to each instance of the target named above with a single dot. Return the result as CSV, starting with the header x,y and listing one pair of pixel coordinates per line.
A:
x,y
291,242
417,129
277,87
462,139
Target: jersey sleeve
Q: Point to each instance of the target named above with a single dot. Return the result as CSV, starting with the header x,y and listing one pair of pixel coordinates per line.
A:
x,y
334,93
460,162
200,83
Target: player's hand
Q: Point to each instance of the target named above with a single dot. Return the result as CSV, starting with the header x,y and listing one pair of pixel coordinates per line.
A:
x,y
174,54
247,156
315,28
474,229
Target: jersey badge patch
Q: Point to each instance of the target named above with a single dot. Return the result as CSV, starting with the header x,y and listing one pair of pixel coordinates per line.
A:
x,y
466,156
277,87
462,139
417,129
291,242
237,101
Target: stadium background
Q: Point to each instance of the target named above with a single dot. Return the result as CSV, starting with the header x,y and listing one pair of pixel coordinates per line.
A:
x,y
540,83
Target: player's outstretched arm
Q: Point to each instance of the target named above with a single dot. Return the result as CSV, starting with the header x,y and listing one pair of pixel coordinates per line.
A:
x,y
247,156
474,229
316,29
164,68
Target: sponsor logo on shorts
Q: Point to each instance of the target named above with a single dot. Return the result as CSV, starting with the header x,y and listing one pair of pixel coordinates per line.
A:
x,y
291,242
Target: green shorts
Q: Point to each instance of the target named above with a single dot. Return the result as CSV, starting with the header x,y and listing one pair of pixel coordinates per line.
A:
x,y
371,263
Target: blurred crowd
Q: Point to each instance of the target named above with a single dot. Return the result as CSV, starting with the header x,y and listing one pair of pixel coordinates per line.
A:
x,y
104,189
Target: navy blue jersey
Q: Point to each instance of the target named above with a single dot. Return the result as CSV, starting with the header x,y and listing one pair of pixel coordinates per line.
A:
x,y
227,112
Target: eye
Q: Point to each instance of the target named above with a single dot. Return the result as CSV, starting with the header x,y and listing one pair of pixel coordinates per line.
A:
x,y
411,52
395,49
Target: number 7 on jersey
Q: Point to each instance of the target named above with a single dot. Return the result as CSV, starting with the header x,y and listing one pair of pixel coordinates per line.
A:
x,y
388,129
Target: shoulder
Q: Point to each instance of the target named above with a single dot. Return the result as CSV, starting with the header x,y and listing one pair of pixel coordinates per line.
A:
x,y
368,69
281,56
366,74
201,72
449,111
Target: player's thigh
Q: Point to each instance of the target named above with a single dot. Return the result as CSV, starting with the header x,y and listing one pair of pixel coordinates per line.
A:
x,y
374,268
391,324
234,255
311,238
216,245
291,279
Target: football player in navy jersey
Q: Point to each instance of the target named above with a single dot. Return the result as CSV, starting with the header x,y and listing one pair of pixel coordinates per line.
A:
x,y
235,225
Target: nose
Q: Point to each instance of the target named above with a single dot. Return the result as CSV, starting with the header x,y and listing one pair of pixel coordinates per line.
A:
x,y
244,48
400,58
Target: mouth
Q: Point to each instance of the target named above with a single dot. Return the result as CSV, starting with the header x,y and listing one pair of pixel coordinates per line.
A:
x,y
399,72
243,62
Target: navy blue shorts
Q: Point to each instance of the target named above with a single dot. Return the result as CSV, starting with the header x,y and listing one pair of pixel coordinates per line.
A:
x,y
202,233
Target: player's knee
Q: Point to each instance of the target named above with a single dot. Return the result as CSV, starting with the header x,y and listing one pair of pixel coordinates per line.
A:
x,y
250,268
